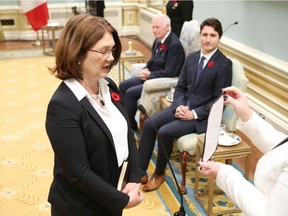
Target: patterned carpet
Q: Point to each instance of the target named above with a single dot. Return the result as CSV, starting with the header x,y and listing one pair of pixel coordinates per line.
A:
x,y
23,53
26,157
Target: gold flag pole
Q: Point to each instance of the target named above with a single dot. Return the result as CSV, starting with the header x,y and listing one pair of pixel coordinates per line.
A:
x,y
37,42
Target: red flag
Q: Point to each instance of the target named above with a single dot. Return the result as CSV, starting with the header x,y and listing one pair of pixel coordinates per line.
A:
x,y
36,12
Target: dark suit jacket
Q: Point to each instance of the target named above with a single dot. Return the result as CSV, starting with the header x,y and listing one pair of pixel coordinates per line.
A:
x,y
169,59
216,75
86,170
95,7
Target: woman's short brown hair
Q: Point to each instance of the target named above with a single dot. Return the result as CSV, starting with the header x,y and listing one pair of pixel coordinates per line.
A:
x,y
78,36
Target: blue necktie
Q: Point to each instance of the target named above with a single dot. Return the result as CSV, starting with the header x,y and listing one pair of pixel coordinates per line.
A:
x,y
200,68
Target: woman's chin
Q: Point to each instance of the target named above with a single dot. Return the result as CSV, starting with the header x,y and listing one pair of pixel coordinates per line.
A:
x,y
104,73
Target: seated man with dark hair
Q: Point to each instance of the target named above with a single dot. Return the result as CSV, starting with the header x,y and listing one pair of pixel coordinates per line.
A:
x,y
203,76
166,61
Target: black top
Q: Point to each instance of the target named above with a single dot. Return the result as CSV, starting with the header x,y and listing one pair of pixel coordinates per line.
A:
x,y
179,12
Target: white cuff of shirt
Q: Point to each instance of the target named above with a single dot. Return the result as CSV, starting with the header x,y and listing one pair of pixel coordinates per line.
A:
x,y
195,114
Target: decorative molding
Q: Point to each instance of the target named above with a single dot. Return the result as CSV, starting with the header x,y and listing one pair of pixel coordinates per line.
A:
x,y
130,30
111,13
268,81
11,15
145,17
146,33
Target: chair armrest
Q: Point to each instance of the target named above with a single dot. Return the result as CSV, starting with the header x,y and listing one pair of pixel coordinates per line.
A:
x,y
159,84
135,68
152,90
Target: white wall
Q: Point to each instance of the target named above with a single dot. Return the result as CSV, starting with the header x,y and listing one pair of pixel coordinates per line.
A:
x,y
263,25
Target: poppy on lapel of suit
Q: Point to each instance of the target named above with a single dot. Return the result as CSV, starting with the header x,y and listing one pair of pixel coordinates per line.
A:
x,y
175,4
162,47
210,64
115,96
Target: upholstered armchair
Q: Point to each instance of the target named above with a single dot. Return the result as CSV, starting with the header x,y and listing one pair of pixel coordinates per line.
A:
x,y
190,36
151,92
154,88
187,144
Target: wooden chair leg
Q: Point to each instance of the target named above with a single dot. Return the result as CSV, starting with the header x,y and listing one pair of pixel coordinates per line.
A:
x,y
184,160
142,118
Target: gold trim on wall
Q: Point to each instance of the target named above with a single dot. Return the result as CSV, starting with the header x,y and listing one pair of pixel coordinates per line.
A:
x,y
12,15
130,17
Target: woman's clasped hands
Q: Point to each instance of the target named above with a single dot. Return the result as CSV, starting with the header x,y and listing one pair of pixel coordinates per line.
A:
x,y
134,193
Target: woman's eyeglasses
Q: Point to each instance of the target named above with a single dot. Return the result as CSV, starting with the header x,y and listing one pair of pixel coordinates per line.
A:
x,y
105,54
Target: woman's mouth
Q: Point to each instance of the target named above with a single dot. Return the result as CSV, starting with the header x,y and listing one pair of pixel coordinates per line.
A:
x,y
107,67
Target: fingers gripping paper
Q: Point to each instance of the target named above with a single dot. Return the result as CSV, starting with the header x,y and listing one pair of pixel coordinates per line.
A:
x,y
213,128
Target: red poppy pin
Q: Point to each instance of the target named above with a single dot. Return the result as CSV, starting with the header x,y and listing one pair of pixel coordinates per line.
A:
x,y
175,4
163,47
115,96
210,64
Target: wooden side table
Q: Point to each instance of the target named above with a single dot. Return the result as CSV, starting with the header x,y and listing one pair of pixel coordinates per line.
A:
x,y
138,58
226,153
164,103
51,29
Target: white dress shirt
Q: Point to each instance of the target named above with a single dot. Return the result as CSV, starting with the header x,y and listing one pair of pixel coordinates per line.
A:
x,y
112,117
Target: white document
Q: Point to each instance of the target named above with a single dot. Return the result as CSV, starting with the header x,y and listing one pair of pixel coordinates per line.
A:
x,y
213,128
123,177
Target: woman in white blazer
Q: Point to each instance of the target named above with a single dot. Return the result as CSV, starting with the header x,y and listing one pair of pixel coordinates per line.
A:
x,y
269,194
